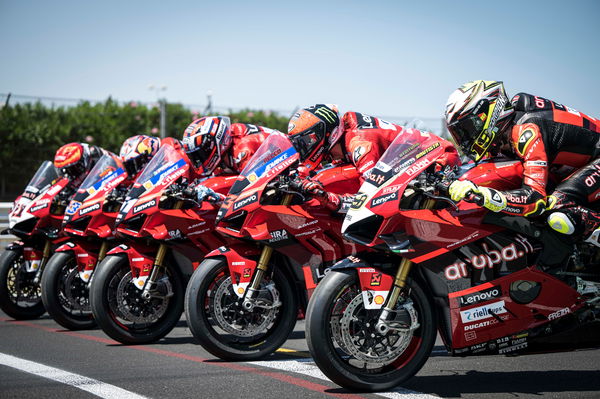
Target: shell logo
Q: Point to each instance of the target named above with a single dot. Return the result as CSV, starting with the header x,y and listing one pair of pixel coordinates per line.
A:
x,y
378,300
240,290
140,283
86,276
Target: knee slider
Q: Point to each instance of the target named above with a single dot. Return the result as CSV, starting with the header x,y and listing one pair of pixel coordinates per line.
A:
x,y
561,222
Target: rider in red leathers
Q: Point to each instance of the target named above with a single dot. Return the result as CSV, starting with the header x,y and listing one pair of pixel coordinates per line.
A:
x,y
558,146
215,147
318,135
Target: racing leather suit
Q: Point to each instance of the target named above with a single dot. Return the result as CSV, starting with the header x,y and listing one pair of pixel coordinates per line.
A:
x,y
559,147
365,140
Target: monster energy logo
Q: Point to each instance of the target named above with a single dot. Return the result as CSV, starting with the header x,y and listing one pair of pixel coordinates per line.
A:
x,y
326,113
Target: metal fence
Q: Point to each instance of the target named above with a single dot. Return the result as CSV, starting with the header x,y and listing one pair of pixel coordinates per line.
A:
x,y
4,209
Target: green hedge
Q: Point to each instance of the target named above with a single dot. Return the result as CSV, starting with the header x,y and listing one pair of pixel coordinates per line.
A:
x,y
31,132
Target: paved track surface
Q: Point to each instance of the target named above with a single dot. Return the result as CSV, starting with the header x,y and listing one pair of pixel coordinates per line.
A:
x,y
176,367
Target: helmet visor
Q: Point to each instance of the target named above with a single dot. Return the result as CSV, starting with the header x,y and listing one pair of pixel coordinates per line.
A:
x,y
465,131
308,141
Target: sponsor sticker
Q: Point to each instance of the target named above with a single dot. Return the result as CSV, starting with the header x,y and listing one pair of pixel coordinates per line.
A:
x,y
482,312
480,296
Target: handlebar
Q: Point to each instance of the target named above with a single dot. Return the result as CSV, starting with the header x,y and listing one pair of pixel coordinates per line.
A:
x,y
444,186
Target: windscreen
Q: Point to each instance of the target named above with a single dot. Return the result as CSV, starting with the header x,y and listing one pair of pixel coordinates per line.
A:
x,y
166,160
43,178
106,169
407,153
273,151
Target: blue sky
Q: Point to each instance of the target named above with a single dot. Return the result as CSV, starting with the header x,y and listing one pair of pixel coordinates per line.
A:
x,y
379,57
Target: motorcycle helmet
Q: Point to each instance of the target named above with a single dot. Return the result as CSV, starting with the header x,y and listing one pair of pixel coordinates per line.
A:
x,y
73,160
136,151
205,141
314,131
476,115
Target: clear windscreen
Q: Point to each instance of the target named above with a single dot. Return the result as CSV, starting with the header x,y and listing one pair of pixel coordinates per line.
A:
x,y
43,178
408,152
275,149
107,168
162,164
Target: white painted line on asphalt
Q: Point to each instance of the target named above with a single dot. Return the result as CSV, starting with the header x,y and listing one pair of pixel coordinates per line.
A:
x,y
90,385
309,368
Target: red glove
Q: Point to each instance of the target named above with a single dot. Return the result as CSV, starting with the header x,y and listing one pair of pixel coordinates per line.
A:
x,y
316,189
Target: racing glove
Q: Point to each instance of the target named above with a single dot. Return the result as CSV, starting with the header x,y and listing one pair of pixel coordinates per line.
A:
x,y
325,199
204,193
493,200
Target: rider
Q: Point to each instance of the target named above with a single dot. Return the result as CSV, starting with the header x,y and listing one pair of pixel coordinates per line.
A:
x,y
316,133
215,146
136,152
75,160
555,143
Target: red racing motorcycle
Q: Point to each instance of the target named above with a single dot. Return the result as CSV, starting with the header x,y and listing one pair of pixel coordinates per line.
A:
x,y
490,283
89,221
136,295
35,218
243,300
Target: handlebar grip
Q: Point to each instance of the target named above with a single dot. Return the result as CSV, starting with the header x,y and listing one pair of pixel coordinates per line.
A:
x,y
320,193
475,198
443,187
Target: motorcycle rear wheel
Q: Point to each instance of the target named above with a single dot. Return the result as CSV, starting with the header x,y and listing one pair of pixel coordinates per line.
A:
x,y
65,295
120,310
350,362
216,319
16,282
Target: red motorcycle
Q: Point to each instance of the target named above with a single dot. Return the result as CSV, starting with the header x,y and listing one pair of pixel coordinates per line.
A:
x,y
243,300
490,283
136,295
35,218
89,221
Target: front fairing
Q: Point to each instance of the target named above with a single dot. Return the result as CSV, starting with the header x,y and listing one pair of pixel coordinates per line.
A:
x,y
272,159
169,165
88,202
36,207
379,196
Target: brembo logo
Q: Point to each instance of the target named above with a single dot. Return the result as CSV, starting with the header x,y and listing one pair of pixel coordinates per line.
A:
x,y
242,203
481,296
143,206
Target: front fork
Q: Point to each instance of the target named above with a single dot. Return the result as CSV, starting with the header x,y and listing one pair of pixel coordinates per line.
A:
x,y
101,255
45,257
261,268
158,264
383,323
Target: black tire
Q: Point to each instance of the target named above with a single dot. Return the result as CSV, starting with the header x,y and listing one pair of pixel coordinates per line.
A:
x,y
58,272
11,269
334,361
199,296
109,272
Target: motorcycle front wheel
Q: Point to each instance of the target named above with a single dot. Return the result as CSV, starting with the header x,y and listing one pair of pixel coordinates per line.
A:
x,y
224,327
20,297
65,294
122,312
347,347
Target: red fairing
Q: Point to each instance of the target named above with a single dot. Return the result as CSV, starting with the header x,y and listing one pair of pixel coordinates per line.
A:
x,y
86,253
367,138
140,260
472,322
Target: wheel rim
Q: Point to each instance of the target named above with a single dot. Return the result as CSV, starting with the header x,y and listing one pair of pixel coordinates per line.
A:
x,y
73,293
230,321
21,289
358,345
128,308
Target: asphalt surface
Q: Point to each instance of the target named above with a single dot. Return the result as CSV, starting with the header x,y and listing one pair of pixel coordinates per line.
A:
x,y
177,367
